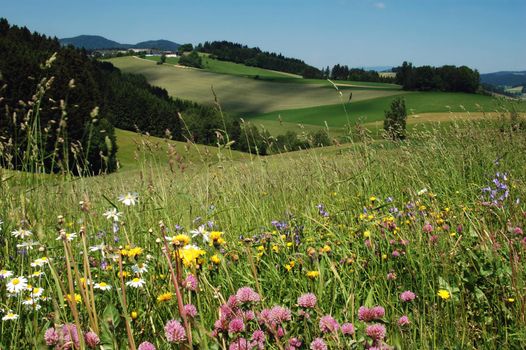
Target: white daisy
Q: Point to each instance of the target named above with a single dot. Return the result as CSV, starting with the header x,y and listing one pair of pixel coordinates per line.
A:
x,y
17,284
96,248
136,283
37,292
128,199
5,274
28,245
37,274
112,214
21,233
102,286
201,231
10,316
67,236
140,268
40,262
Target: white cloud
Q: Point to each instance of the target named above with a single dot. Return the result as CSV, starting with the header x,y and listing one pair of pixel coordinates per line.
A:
x,y
379,5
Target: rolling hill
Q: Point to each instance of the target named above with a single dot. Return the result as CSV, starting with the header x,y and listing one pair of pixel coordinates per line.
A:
x,y
504,78
240,95
93,42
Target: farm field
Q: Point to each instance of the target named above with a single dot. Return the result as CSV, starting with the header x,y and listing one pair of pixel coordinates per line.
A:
x,y
373,109
239,95
225,67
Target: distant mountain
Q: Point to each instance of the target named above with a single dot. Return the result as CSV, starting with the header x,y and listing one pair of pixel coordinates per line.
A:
x,y
164,45
93,42
378,68
504,78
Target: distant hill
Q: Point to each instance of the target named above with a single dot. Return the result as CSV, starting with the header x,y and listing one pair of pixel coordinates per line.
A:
x,y
94,42
378,68
504,78
164,45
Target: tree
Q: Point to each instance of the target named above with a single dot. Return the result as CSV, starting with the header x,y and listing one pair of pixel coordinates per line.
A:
x,y
162,60
395,120
191,60
185,48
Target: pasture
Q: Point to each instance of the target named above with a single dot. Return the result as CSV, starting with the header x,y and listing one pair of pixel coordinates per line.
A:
x,y
372,110
238,95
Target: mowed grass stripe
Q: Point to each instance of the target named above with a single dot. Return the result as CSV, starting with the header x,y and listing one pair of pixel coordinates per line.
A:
x,y
373,109
237,95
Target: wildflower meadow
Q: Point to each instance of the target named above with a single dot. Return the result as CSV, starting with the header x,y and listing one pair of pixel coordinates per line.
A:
x,y
417,244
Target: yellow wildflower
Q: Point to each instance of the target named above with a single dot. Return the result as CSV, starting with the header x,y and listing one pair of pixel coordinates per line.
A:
x,y
313,274
190,253
444,294
215,259
77,298
164,297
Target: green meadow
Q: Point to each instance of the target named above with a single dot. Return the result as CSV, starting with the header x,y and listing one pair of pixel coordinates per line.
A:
x,y
240,96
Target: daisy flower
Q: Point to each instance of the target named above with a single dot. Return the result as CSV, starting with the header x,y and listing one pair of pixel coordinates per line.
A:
x,y
67,236
10,316
21,233
102,286
5,274
17,284
27,245
37,292
112,214
37,274
96,248
140,268
40,262
201,231
129,198
136,283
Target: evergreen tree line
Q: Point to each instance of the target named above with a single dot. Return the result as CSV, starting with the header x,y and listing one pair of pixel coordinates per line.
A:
x,y
343,72
253,56
445,78
52,122
67,122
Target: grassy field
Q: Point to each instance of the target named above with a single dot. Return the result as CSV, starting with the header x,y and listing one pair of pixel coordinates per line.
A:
x,y
409,228
135,149
225,67
373,109
240,95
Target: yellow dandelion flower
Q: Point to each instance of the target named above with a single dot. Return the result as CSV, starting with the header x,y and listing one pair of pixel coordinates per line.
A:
x,y
367,234
215,259
313,274
190,253
444,294
164,297
77,298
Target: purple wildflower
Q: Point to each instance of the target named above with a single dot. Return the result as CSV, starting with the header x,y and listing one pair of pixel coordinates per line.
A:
x,y
307,301
376,332
318,344
328,324
92,339
407,296
146,345
403,321
347,329
174,331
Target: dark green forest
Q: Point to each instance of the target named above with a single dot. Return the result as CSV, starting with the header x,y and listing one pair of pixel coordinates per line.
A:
x,y
65,110
253,56
445,78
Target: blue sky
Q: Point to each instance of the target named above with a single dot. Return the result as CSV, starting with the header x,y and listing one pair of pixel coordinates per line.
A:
x,y
488,35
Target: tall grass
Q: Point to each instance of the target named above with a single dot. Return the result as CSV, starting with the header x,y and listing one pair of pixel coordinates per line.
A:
x,y
335,222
